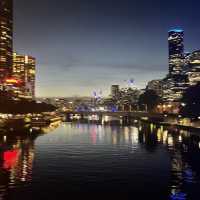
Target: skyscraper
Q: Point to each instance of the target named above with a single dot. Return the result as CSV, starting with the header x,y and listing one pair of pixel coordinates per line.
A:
x,y
24,70
175,84
6,38
176,51
193,68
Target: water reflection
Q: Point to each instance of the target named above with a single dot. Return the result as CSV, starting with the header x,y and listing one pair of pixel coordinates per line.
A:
x,y
16,160
183,170
183,148
180,145
17,153
165,159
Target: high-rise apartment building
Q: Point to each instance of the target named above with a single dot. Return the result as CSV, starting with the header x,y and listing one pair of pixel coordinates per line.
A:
x,y
6,38
193,68
24,70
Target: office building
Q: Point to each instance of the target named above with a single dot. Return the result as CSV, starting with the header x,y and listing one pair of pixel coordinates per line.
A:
x,y
175,83
193,68
6,38
176,51
24,70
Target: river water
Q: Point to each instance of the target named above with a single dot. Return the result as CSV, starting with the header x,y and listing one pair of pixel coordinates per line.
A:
x,y
94,161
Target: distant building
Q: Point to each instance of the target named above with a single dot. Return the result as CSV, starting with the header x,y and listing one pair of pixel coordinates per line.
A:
x,y
193,68
24,70
176,51
157,86
129,95
6,38
115,91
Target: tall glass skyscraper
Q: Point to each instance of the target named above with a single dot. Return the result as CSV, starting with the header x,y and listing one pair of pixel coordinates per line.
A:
x,y
176,51
175,84
6,38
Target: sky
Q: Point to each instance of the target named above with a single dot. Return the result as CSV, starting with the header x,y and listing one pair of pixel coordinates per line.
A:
x,y
83,46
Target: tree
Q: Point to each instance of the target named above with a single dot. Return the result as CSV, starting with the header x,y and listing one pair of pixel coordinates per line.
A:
x,y
149,100
191,102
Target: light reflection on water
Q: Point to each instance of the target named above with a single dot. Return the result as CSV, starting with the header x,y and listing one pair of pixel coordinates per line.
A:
x,y
117,159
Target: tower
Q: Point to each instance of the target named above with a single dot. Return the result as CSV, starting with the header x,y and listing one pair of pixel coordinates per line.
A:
x,y
176,51
6,38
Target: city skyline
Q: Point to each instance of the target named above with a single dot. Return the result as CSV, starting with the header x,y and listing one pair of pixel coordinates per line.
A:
x,y
99,98
110,43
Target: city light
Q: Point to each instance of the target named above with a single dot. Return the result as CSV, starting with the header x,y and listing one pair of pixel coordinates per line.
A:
x,y
12,81
91,127
10,158
170,141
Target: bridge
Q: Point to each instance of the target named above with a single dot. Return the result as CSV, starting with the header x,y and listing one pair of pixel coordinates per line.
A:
x,y
127,117
118,114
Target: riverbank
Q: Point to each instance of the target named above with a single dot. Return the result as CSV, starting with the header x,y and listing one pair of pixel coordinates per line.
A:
x,y
21,122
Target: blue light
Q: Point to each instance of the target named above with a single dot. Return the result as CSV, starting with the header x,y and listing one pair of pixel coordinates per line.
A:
x,y
114,109
178,196
177,30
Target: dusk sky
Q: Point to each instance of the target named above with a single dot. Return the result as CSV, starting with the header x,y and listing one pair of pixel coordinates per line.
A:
x,y
87,45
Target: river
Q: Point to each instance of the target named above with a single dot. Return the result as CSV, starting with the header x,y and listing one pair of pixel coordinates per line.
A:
x,y
100,161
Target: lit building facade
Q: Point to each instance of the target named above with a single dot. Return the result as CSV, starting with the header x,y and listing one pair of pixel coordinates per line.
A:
x,y
6,38
173,89
176,51
175,84
24,69
193,68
